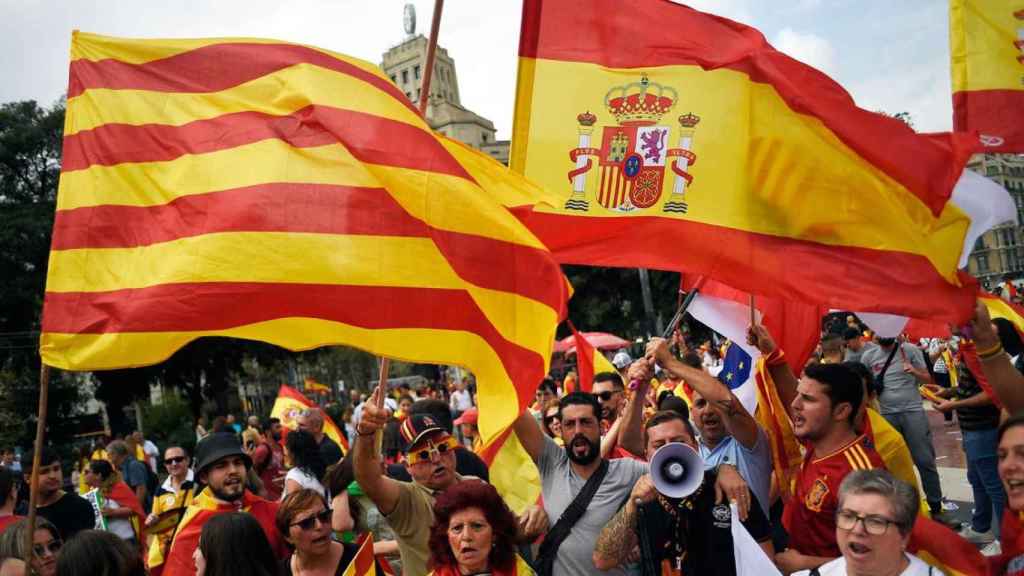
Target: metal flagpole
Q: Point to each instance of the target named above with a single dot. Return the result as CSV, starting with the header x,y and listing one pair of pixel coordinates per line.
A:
x,y
44,394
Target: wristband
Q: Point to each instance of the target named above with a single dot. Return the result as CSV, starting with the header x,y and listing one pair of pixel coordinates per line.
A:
x,y
991,351
775,358
361,433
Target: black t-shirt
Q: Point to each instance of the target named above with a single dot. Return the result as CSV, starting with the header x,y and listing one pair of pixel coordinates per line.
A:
x,y
467,463
975,417
346,558
70,514
330,451
703,532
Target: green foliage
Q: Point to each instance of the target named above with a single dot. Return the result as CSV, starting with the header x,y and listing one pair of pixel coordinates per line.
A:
x,y
170,423
610,300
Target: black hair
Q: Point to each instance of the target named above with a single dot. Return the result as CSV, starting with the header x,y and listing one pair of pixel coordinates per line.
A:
x,y
579,398
99,553
234,544
862,372
438,409
548,384
305,453
1008,336
7,481
268,424
692,359
675,404
614,377
47,456
841,385
851,333
102,467
663,416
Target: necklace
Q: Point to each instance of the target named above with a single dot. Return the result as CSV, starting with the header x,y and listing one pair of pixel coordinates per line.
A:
x,y
679,510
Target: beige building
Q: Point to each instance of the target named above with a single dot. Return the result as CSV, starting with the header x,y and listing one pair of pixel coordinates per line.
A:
x,y
1000,251
445,113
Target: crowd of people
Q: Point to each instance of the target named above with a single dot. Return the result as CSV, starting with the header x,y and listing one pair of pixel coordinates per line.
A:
x,y
259,499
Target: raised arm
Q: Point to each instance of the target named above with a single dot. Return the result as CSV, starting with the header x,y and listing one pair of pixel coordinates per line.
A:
x,y
785,380
740,424
1006,381
369,472
618,537
530,435
630,430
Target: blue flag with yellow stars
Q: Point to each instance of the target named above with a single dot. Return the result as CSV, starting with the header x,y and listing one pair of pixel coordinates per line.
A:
x,y
736,368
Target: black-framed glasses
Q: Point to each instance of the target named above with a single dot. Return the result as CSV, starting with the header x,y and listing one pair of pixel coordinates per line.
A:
x,y
174,460
324,516
53,546
874,525
606,395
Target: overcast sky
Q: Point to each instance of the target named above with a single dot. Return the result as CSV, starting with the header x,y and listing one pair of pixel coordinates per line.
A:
x,y
892,56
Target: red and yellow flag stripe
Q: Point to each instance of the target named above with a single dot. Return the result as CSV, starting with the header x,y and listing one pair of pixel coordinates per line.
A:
x,y
362,564
277,192
787,182
290,402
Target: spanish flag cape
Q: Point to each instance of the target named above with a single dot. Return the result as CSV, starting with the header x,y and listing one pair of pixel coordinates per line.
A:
x,y
125,497
521,568
179,561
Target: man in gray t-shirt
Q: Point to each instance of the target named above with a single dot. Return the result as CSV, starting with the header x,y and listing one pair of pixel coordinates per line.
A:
x,y
900,404
564,471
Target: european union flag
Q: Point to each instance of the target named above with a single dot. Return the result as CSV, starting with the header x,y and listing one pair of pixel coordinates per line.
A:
x,y
735,368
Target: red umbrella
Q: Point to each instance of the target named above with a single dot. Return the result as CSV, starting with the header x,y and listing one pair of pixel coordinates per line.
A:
x,y
599,340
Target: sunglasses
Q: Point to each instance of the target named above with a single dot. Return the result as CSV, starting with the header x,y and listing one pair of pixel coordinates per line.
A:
x,y
323,516
174,460
53,546
550,418
427,453
606,395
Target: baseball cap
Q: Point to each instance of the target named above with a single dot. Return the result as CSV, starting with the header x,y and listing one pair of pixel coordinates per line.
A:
x,y
417,427
621,360
468,417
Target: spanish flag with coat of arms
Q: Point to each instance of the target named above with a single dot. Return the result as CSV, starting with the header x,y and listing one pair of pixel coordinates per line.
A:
x,y
679,140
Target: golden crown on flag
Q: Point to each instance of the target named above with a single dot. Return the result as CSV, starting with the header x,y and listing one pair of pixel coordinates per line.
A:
x,y
640,103
586,118
689,120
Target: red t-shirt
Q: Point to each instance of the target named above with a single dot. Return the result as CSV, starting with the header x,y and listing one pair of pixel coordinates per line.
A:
x,y
810,516
1011,559
6,521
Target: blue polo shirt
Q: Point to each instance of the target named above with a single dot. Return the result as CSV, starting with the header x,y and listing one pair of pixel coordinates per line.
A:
x,y
754,465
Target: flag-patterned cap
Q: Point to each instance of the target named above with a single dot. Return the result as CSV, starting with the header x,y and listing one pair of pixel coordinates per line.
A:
x,y
417,426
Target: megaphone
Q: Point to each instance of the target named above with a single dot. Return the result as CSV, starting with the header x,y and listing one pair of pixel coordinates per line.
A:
x,y
677,470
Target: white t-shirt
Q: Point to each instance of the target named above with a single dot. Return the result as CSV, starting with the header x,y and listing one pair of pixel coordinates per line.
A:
x,y
152,455
462,400
304,480
837,567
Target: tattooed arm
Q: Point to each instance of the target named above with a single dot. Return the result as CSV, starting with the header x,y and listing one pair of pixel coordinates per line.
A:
x,y
618,538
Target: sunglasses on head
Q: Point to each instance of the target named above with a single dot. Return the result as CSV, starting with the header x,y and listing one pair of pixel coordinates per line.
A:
x,y
53,546
606,395
424,455
174,459
324,516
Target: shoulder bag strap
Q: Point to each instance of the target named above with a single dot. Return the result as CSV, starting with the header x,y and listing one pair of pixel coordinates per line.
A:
x,y
560,531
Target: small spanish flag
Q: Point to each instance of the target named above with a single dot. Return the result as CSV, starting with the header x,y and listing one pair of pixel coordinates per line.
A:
x,y
290,402
362,564
316,387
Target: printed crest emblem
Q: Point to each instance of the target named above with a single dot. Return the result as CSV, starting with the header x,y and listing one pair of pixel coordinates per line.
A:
x,y
816,497
722,513
633,154
427,420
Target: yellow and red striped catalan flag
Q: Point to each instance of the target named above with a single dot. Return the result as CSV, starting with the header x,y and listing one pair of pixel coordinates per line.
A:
x,y
362,564
986,49
284,193
589,361
664,127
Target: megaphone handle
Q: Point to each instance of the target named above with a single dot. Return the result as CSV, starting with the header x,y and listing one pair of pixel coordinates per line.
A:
x,y
646,557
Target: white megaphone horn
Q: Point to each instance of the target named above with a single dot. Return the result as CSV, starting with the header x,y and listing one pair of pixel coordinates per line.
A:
x,y
677,470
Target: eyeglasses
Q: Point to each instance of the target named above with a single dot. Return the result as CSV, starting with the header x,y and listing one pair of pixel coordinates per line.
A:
x,y
53,546
427,453
875,525
606,395
174,460
550,418
323,516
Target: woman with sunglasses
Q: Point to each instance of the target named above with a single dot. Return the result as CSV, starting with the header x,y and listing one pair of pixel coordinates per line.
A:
x,y
304,520
234,544
474,532
46,544
550,423
876,513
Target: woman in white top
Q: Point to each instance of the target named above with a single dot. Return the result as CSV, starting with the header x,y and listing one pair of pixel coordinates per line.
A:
x,y
302,455
876,514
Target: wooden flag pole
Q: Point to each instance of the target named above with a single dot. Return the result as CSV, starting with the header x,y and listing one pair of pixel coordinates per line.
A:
x,y
33,499
382,390
428,71
753,312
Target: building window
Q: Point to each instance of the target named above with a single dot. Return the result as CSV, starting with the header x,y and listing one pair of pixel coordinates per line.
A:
x,y
416,71
408,95
394,80
417,94
483,136
405,77
982,263
979,244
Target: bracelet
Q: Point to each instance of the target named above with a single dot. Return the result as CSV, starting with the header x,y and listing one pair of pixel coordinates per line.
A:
x,y
992,351
358,433
775,358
